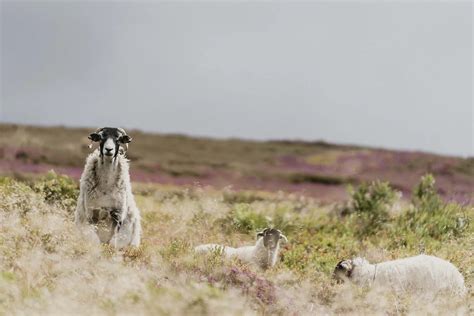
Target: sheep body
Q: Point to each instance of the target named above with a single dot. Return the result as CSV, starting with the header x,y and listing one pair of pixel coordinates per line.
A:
x,y
105,193
264,253
421,273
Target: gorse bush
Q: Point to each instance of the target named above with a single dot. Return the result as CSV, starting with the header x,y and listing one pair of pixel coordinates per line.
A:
x,y
371,203
424,197
374,198
443,223
429,216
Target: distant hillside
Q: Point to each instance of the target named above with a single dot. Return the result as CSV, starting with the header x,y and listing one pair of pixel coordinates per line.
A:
x,y
317,169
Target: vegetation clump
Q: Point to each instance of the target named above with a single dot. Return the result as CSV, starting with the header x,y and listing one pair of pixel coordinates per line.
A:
x,y
430,217
370,205
245,220
57,188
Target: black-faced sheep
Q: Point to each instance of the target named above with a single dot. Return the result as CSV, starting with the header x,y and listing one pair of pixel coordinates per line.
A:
x,y
422,274
263,254
105,200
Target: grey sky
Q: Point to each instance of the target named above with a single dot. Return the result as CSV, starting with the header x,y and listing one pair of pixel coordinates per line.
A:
x,y
395,75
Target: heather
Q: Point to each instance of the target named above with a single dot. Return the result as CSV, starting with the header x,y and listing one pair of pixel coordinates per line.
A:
x,y
312,168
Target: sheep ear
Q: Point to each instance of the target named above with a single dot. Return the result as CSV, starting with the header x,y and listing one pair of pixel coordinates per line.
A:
x,y
95,137
261,234
284,238
125,139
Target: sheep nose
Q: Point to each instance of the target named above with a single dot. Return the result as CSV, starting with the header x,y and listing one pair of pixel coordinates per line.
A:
x,y
108,149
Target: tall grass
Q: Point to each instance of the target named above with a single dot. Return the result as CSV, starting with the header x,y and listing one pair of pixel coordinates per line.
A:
x,y
47,267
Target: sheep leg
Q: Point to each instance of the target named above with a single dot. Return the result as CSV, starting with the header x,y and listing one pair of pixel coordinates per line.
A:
x,y
80,214
116,215
82,217
117,222
136,233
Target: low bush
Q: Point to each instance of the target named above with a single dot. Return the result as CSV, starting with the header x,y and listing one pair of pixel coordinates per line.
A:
x,y
370,204
424,197
243,219
59,189
430,217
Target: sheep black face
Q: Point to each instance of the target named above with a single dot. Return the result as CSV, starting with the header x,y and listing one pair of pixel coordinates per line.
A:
x,y
343,271
271,237
111,139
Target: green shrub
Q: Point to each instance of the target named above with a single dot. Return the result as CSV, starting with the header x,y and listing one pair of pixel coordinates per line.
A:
x,y
16,196
245,220
416,227
371,203
58,189
296,257
430,217
425,197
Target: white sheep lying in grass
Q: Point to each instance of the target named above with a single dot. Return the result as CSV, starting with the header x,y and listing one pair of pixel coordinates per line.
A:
x,y
263,254
423,274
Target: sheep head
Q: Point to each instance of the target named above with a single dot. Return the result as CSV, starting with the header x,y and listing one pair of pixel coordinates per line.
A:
x,y
111,139
271,237
343,270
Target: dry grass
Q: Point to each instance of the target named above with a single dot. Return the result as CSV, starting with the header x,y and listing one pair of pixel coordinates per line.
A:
x,y
47,267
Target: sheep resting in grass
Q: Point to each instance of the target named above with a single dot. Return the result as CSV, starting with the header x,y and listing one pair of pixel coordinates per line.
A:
x,y
264,253
106,202
422,274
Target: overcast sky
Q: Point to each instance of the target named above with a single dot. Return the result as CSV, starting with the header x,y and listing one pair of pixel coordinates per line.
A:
x,y
395,75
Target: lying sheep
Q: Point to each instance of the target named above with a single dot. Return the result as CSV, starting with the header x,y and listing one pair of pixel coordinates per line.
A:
x,y
263,254
423,274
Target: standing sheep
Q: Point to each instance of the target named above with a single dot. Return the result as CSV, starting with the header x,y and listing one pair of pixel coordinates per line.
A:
x,y
414,274
263,254
105,199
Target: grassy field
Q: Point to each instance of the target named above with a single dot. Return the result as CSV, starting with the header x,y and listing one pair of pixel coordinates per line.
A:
x,y
47,267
